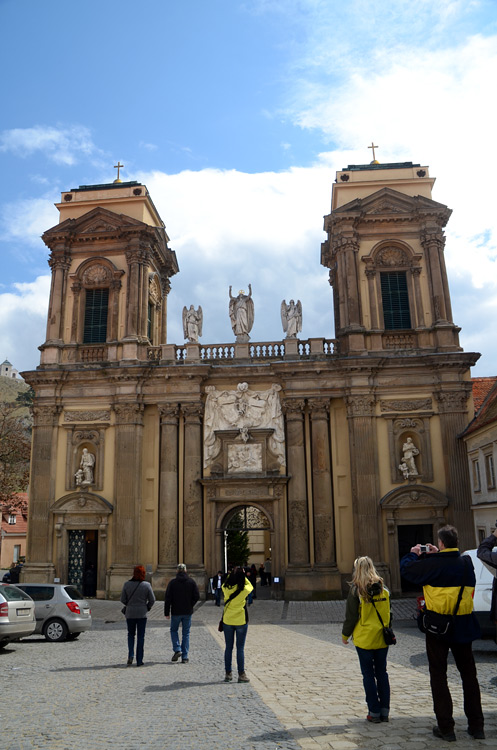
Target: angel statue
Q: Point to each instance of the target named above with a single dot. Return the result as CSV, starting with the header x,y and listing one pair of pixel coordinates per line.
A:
x,y
241,312
291,318
192,323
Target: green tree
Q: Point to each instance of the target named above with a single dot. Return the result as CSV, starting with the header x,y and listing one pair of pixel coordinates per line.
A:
x,y
238,546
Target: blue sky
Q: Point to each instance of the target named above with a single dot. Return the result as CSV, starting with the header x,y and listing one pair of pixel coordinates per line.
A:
x,y
236,115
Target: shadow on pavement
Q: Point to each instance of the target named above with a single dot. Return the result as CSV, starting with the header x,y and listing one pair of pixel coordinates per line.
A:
x,y
177,686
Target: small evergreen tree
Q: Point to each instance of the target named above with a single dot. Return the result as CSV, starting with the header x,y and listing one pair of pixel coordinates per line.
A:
x,y
238,546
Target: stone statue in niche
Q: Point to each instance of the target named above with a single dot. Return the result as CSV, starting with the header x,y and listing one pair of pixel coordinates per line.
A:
x,y
408,464
242,409
84,475
241,310
291,318
192,323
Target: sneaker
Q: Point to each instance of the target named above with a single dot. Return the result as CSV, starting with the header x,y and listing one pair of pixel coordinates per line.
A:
x,y
448,737
384,718
228,676
476,734
185,661
242,677
373,719
176,656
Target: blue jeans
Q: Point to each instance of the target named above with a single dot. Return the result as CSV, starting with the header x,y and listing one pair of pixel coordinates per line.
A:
x,y
375,679
217,593
229,639
186,621
138,625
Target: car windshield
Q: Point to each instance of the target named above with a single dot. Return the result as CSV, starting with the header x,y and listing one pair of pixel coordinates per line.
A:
x,y
73,592
13,594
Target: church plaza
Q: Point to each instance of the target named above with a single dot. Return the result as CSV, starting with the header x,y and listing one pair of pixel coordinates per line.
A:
x,y
305,688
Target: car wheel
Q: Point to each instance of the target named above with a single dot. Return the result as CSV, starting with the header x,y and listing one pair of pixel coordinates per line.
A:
x,y
72,636
55,630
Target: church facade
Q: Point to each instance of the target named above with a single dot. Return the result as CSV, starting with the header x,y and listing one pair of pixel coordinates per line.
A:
x,y
143,450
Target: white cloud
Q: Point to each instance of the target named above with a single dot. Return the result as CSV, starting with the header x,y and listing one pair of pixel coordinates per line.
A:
x,y
63,144
23,313
25,221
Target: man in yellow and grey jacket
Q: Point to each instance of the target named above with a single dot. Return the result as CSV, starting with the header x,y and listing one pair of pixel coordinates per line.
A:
x,y
441,574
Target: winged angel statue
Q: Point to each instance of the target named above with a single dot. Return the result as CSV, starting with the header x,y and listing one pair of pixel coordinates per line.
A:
x,y
192,323
291,318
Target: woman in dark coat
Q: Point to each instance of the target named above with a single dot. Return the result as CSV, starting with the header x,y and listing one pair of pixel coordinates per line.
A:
x,y
138,598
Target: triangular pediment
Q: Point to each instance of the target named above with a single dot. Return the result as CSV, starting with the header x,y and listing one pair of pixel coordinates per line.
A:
x,y
97,221
387,201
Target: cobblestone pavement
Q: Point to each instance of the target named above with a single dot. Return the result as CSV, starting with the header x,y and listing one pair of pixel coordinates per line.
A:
x,y
305,690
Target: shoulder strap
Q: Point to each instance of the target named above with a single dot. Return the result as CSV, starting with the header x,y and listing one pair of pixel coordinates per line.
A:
x,y
235,593
134,591
465,562
379,616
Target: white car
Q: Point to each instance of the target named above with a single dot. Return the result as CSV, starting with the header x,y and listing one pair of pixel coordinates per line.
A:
x,y
17,614
483,593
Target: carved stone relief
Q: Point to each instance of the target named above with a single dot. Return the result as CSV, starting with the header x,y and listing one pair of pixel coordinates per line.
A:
x,y
97,275
406,405
244,458
242,409
87,416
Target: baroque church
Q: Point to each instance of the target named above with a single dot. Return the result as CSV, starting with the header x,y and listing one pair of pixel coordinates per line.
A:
x,y
143,450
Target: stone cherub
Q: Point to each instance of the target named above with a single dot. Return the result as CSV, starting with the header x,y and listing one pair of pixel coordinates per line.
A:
x,y
192,323
291,318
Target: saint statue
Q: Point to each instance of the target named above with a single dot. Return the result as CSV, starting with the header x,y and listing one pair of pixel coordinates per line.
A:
x,y
408,465
291,318
241,311
192,323
84,474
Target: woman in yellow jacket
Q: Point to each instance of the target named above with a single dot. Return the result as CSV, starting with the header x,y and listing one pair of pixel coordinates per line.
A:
x,y
235,621
363,624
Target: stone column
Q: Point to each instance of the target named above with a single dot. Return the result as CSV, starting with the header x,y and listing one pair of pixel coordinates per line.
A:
x,y
454,418
133,294
322,492
364,476
168,488
193,496
298,522
166,287
76,301
59,265
40,566
431,239
113,326
128,485
352,293
370,275
144,261
420,317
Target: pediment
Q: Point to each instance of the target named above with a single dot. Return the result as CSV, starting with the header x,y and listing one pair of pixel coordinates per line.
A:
x,y
82,502
388,201
413,495
97,221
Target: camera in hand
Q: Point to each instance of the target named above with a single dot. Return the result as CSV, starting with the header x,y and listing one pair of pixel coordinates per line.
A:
x,y
423,548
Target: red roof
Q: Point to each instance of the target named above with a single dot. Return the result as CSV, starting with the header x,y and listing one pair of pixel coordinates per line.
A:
x,y
481,389
487,412
20,512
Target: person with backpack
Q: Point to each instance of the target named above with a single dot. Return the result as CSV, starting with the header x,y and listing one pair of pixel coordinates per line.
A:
x,y
448,581
367,614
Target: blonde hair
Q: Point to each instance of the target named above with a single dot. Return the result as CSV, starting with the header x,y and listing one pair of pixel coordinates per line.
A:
x,y
364,575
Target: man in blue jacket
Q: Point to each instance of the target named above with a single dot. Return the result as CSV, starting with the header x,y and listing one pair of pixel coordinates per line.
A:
x,y
442,573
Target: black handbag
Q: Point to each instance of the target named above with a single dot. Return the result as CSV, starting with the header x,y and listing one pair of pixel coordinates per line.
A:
x,y
439,625
388,635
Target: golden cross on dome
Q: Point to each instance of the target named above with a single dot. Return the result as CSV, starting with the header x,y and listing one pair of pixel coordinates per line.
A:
x,y
373,148
119,166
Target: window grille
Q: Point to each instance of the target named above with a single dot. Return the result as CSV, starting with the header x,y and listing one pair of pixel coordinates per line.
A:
x,y
96,310
395,299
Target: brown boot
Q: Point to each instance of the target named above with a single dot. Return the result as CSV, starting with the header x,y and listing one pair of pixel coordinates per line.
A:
x,y
242,677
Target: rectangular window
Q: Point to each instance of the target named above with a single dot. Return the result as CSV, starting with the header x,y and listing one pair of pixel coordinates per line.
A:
x,y
17,552
96,309
490,471
12,519
395,300
482,534
476,475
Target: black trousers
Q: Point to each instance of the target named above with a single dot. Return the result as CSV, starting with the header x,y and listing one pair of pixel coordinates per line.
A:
x,y
437,651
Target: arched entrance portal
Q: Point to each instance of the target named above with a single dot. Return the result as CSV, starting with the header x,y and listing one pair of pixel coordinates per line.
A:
x,y
246,536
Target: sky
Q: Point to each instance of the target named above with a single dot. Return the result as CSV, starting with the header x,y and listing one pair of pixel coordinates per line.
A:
x,y
237,114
